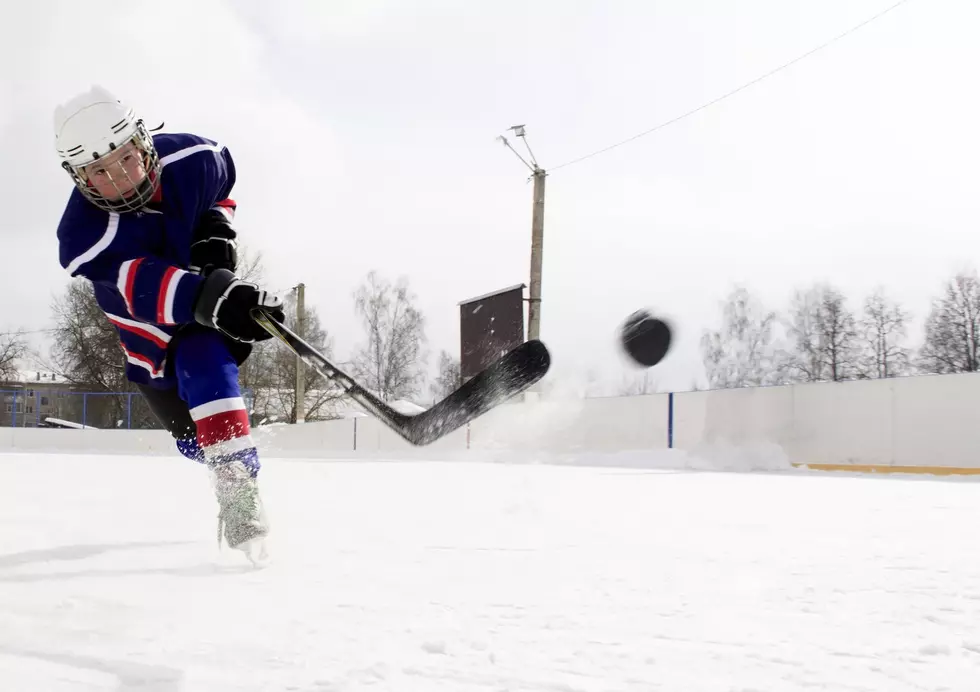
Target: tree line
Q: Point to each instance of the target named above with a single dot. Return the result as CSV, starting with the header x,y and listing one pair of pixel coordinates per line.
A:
x,y
392,358
822,337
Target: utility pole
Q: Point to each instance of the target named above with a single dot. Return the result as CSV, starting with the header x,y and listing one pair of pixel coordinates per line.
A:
x,y
538,174
300,391
537,242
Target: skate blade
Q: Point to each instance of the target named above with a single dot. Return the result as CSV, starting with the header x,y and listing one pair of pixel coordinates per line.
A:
x,y
256,551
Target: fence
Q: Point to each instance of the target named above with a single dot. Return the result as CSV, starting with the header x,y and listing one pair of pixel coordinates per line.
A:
x,y
915,424
50,407
906,424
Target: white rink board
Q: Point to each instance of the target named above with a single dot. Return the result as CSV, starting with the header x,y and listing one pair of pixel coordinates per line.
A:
x,y
736,416
937,419
842,423
602,424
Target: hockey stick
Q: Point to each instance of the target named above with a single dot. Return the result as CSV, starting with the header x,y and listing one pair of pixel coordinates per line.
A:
x,y
510,374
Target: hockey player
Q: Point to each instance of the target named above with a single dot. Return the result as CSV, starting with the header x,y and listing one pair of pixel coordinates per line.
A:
x,y
149,224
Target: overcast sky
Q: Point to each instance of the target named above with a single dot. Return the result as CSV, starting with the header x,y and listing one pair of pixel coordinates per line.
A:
x,y
365,138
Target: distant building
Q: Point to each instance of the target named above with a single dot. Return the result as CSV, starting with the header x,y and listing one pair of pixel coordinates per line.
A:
x,y
32,395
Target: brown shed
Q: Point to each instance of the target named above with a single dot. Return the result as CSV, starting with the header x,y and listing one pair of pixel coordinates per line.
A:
x,y
489,326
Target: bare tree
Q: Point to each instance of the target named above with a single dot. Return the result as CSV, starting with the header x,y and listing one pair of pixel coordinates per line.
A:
x,y
250,266
883,330
952,329
824,333
86,348
88,354
272,375
741,353
803,327
268,374
13,348
392,361
839,336
449,377
259,375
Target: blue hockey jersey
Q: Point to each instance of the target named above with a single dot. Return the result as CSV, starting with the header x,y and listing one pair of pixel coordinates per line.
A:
x,y
138,261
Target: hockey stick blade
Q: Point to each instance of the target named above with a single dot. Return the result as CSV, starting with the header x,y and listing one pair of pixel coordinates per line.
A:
x,y
507,376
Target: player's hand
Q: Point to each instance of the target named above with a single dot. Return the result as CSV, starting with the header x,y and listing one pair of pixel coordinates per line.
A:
x,y
214,245
213,253
225,303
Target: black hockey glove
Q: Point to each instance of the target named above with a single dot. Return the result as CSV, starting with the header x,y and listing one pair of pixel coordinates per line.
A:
x,y
225,303
214,245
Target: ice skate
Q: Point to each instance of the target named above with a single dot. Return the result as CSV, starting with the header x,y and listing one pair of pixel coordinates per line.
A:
x,y
241,517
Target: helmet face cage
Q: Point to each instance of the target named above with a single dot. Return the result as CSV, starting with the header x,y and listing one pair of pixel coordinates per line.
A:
x,y
141,192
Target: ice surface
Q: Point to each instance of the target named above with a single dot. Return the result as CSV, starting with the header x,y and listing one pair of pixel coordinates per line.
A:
x,y
461,577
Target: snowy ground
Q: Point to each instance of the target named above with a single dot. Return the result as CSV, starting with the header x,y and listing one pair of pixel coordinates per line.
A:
x,y
459,577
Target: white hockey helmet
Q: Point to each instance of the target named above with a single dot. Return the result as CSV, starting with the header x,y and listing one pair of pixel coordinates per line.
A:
x,y
91,126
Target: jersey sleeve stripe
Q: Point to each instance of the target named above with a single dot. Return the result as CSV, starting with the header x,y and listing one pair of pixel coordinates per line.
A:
x,y
168,275
147,331
142,361
226,212
127,277
105,241
228,207
168,291
184,153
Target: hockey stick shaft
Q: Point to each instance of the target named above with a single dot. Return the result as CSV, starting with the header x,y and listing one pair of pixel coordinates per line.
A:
x,y
513,372
328,370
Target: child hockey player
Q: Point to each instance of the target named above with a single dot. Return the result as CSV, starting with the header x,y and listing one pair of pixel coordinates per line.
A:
x,y
149,224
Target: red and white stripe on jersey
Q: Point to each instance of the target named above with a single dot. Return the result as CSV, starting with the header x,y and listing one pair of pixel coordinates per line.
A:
x,y
168,290
164,313
227,207
222,426
126,281
142,361
147,331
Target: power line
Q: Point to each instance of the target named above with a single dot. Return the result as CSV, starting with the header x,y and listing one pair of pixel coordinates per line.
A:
x,y
25,332
734,91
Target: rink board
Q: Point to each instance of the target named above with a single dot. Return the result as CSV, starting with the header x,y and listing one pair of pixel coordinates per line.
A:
x,y
913,425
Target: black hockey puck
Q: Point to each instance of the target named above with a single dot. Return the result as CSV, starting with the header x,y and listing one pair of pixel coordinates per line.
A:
x,y
645,338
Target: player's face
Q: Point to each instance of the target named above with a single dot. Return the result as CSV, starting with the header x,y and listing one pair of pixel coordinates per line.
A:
x,y
116,174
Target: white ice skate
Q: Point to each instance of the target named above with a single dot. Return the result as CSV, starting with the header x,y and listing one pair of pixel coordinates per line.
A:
x,y
241,515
